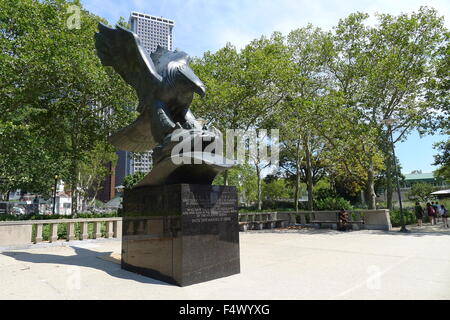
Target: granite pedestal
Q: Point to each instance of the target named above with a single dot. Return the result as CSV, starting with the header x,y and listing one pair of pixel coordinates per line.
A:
x,y
181,234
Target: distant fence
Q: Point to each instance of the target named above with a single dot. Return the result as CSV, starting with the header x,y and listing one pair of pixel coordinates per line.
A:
x,y
18,233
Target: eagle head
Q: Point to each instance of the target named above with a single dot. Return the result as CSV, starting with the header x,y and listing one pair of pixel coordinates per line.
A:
x,y
173,66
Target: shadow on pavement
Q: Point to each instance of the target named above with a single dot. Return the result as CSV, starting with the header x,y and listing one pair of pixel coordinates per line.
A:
x,y
426,230
83,258
413,231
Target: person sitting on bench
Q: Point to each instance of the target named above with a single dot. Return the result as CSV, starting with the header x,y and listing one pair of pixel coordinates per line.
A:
x,y
343,224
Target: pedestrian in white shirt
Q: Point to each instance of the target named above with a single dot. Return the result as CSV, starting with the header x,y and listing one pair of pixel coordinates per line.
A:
x,y
439,211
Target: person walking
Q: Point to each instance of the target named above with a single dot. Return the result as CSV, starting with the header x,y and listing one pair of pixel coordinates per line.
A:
x,y
439,211
436,212
431,213
419,214
444,216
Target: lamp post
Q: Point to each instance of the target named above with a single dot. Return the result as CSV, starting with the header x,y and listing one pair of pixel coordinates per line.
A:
x,y
389,123
54,194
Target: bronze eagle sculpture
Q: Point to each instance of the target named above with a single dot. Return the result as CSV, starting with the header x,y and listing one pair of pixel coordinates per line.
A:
x,y
165,85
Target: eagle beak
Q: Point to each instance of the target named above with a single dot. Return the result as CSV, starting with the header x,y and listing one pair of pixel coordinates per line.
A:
x,y
196,83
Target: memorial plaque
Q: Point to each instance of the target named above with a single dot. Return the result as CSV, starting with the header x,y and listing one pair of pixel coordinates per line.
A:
x,y
181,234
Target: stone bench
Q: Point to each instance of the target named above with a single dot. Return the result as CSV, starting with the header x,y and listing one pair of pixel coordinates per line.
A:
x,y
261,225
364,219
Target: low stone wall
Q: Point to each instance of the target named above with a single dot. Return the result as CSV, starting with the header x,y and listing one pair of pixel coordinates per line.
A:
x,y
373,219
265,220
325,216
20,233
377,220
15,235
287,216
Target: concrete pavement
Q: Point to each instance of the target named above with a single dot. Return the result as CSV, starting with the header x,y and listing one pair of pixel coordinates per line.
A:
x,y
297,264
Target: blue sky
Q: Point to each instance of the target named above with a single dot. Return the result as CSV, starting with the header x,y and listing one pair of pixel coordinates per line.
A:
x,y
207,25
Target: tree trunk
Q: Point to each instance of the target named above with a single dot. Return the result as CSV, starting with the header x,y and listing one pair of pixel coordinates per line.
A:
x,y
74,186
371,195
389,175
297,190
297,179
388,162
309,177
363,198
74,199
258,173
389,189
96,189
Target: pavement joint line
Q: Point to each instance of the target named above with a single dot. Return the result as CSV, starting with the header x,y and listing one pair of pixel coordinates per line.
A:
x,y
380,275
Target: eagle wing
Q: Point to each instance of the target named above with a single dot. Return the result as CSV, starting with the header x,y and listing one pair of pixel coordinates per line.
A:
x,y
121,49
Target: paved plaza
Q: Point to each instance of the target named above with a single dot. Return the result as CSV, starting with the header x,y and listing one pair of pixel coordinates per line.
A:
x,y
297,264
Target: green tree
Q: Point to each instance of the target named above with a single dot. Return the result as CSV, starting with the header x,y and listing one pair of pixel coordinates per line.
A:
x,y
54,88
438,91
442,159
351,150
421,192
244,88
298,119
244,178
385,73
403,58
129,182
98,163
276,190
26,160
350,136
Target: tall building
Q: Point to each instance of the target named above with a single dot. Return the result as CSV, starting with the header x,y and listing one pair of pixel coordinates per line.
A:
x,y
152,31
123,166
108,190
141,162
